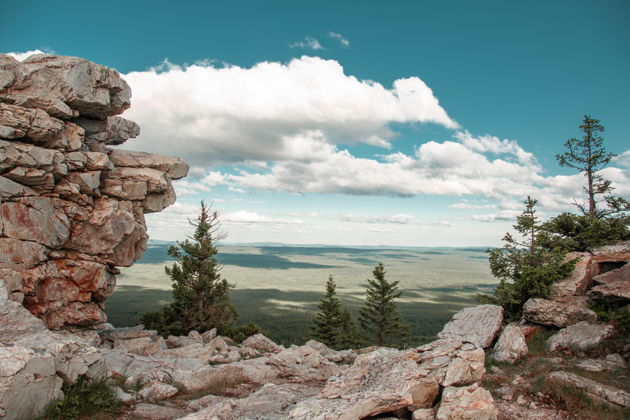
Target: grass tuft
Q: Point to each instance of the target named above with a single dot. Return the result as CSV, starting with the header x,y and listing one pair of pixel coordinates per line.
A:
x,y
84,398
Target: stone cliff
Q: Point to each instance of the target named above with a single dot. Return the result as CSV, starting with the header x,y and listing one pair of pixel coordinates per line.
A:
x,y
71,208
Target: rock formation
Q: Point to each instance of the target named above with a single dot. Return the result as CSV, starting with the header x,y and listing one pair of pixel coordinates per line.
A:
x,y
71,209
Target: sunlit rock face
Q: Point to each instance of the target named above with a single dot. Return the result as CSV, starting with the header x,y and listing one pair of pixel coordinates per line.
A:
x,y
71,209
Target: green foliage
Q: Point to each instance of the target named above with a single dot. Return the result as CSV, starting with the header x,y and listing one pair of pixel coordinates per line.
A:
x,y
526,269
538,343
84,398
327,321
200,296
239,333
615,313
379,316
348,336
588,155
585,232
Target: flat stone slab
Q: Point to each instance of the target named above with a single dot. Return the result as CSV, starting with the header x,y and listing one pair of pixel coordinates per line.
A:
x,y
599,392
549,312
580,336
479,325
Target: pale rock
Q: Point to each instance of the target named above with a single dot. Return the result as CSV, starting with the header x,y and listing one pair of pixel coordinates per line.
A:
x,y
154,203
157,391
615,252
125,333
155,181
580,336
617,360
17,122
479,324
249,353
9,189
60,85
378,382
28,383
176,341
123,396
620,274
580,279
112,130
548,312
510,346
175,168
19,255
90,161
111,226
261,343
75,313
38,179
209,335
144,346
156,412
272,401
469,402
603,393
423,414
202,353
451,361
218,344
617,291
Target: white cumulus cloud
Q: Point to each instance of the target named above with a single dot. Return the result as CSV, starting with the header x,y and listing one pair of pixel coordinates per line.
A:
x,y
210,114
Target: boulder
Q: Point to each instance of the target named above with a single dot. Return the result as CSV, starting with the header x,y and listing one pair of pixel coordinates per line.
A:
x,y
510,346
580,279
175,168
479,324
619,274
38,219
270,402
378,382
549,312
468,402
601,393
261,343
111,130
157,391
156,412
209,335
580,336
618,292
612,253
66,87
28,382
144,346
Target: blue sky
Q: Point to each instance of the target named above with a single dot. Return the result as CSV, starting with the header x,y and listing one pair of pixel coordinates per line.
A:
x,y
403,123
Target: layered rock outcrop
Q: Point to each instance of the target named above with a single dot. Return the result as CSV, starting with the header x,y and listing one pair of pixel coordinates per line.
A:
x,y
71,209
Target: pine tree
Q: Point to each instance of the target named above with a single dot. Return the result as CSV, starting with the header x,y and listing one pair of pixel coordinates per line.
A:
x,y
201,296
379,315
525,268
326,323
348,335
589,156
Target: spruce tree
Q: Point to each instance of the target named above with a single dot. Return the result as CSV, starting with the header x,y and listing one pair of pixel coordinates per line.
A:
x,y
379,316
588,155
201,296
326,323
525,268
348,335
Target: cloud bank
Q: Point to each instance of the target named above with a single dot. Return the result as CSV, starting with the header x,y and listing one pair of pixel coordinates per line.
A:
x,y
272,111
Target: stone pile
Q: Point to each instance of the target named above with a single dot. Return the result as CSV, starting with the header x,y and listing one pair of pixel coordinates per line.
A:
x,y
71,209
